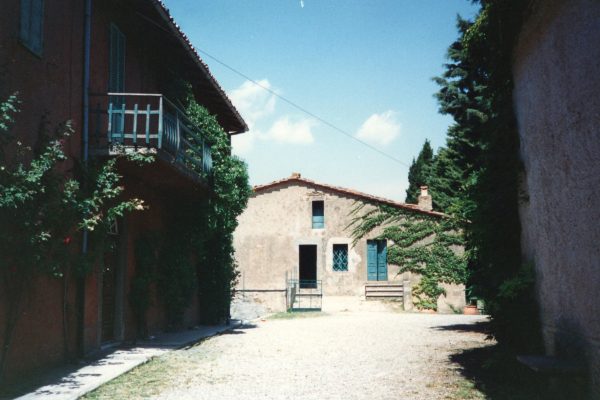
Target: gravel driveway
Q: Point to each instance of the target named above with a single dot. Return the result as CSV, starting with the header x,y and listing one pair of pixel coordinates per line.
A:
x,y
346,355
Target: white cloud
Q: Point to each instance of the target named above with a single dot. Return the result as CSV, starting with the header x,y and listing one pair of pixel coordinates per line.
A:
x,y
380,129
243,143
253,101
257,106
285,130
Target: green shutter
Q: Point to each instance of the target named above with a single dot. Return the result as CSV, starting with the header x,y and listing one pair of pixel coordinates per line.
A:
x,y
117,60
377,260
371,260
382,260
116,72
31,24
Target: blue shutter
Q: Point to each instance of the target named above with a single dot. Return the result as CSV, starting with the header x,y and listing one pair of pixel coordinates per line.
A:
x,y
371,260
116,72
117,60
382,260
31,24
24,33
37,12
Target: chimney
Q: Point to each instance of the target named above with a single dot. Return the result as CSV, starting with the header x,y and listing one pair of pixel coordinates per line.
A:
x,y
424,201
296,175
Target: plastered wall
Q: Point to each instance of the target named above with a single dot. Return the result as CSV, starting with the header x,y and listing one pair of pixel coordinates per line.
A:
x,y
278,220
557,102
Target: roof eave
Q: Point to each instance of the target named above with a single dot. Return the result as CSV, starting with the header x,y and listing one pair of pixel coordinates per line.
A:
x,y
185,42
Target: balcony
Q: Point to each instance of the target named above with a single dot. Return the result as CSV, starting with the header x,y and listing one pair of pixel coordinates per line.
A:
x,y
148,123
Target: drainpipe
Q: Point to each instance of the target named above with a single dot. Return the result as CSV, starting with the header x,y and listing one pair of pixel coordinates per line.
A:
x,y
87,33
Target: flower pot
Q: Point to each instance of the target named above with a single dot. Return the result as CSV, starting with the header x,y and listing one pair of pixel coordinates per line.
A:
x,y
470,310
428,311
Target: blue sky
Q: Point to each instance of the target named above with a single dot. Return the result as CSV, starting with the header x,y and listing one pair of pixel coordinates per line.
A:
x,y
364,66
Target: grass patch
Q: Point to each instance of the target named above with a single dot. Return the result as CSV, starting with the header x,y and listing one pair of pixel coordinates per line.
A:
x,y
146,380
466,390
297,315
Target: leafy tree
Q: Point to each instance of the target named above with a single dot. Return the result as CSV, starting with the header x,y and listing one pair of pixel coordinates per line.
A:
x,y
483,151
419,172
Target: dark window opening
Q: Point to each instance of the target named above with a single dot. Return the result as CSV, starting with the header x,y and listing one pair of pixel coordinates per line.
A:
x,y
318,214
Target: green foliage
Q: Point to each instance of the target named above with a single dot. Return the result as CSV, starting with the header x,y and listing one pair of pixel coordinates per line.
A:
x,y
422,244
483,158
177,278
42,207
216,219
419,172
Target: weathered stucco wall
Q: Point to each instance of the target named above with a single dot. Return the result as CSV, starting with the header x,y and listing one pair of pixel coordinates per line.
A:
x,y
557,101
278,220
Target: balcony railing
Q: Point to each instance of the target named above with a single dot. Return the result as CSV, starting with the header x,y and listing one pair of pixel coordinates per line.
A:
x,y
142,121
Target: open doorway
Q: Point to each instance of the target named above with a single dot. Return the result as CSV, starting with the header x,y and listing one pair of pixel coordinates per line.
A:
x,y
307,266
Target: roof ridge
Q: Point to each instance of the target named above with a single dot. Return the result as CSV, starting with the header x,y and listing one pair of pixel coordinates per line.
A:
x,y
352,192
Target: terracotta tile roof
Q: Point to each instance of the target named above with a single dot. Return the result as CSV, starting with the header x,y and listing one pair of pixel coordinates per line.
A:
x,y
164,11
297,178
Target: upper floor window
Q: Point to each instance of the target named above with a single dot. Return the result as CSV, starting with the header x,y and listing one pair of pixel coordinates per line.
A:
x,y
318,214
340,257
31,29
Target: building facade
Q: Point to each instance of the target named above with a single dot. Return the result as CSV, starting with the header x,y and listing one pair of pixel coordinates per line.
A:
x,y
296,229
112,68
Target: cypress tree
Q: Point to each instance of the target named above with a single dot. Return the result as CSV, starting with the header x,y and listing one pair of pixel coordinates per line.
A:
x,y
419,171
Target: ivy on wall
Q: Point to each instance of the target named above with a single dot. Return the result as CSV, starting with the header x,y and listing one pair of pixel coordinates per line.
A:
x,y
42,209
217,218
426,245
202,256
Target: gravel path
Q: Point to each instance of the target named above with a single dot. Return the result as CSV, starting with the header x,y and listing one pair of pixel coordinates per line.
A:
x,y
346,355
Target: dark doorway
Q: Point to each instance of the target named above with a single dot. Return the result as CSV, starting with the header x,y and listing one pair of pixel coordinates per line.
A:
x,y
308,266
109,289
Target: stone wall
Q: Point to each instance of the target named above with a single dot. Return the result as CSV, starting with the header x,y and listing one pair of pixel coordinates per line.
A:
x,y
278,220
557,101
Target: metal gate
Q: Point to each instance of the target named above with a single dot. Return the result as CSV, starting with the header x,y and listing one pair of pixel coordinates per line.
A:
x,y
304,295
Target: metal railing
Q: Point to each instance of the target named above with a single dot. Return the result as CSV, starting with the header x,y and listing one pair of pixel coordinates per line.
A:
x,y
150,121
304,295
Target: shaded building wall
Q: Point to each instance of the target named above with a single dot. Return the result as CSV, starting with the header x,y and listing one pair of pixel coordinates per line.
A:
x,y
278,220
557,85
50,91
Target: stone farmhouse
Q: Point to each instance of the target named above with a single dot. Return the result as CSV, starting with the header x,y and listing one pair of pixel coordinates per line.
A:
x,y
294,249
107,66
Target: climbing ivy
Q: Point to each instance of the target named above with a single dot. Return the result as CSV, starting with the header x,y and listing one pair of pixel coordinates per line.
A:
x,y
216,218
430,246
43,208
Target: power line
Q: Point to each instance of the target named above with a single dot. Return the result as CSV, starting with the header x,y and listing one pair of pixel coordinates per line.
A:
x,y
304,110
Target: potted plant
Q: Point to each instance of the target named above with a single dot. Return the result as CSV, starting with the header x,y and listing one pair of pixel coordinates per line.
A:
x,y
471,307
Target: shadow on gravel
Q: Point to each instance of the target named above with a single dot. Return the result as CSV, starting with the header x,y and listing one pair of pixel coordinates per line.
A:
x,y
499,376
478,327
239,330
